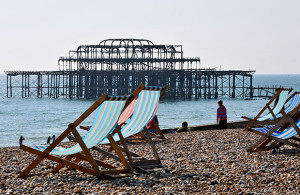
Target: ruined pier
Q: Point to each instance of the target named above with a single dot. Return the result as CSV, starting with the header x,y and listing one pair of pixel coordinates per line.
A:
x,y
118,66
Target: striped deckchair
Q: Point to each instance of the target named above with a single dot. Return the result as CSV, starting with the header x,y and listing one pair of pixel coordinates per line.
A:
x,y
110,109
145,109
282,95
128,112
295,101
285,131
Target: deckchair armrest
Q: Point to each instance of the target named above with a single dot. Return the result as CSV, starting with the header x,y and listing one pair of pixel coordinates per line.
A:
x,y
87,128
248,118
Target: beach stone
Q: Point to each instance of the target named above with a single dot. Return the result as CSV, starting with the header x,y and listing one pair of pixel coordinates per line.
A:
x,y
204,162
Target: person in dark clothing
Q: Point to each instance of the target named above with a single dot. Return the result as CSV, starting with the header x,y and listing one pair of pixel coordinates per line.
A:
x,y
48,140
222,115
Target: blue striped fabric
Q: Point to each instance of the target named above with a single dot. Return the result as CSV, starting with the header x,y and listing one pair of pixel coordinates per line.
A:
x,y
145,109
282,99
295,101
287,133
103,125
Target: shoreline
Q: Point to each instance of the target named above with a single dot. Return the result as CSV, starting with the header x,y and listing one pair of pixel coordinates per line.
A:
x,y
238,124
211,126
198,162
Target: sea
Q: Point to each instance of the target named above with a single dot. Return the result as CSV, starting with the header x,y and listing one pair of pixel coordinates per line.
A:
x,y
38,118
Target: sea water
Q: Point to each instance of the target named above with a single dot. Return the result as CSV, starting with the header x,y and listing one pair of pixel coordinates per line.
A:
x,y
37,118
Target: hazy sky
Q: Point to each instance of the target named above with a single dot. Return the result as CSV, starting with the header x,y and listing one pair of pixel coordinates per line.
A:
x,y
262,35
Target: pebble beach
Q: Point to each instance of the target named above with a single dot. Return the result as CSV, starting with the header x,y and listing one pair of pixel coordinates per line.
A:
x,y
197,162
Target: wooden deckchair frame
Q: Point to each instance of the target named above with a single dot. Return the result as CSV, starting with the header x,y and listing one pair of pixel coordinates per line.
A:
x,y
142,160
86,155
267,106
287,120
130,154
113,144
141,136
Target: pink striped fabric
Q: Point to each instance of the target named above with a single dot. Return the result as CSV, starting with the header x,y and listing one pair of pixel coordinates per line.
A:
x,y
127,113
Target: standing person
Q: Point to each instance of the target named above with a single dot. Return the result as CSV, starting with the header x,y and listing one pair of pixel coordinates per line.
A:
x,y
222,115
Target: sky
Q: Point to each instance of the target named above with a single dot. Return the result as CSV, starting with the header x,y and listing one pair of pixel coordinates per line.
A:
x,y
261,35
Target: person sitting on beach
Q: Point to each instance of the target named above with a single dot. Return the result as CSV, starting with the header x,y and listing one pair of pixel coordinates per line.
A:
x,y
184,127
222,115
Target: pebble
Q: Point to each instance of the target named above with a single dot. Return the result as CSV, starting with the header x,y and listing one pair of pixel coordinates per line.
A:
x,y
198,162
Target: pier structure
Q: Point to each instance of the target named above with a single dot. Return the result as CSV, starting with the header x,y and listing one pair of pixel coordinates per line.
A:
x,y
118,66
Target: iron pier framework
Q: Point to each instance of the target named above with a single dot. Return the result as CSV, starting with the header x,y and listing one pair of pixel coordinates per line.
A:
x,y
118,66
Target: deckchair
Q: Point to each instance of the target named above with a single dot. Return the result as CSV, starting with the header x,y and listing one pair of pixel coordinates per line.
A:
x,y
282,94
283,132
145,109
110,109
295,101
127,113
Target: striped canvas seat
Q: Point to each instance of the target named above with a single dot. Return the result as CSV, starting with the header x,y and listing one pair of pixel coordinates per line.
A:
x,y
106,120
145,109
127,113
282,99
103,125
285,134
294,103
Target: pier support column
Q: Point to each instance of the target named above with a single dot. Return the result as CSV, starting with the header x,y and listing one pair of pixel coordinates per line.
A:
x,y
208,82
216,86
251,87
233,86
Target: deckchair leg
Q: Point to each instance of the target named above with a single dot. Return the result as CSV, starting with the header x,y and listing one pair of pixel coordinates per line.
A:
x,y
59,160
118,151
30,167
265,136
264,144
34,163
158,130
85,150
275,144
61,165
146,133
125,147
104,155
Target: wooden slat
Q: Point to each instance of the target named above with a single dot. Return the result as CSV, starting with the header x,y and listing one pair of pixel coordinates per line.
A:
x,y
151,143
85,150
126,150
265,136
90,110
262,110
35,162
61,165
59,160
104,156
106,153
99,162
118,151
